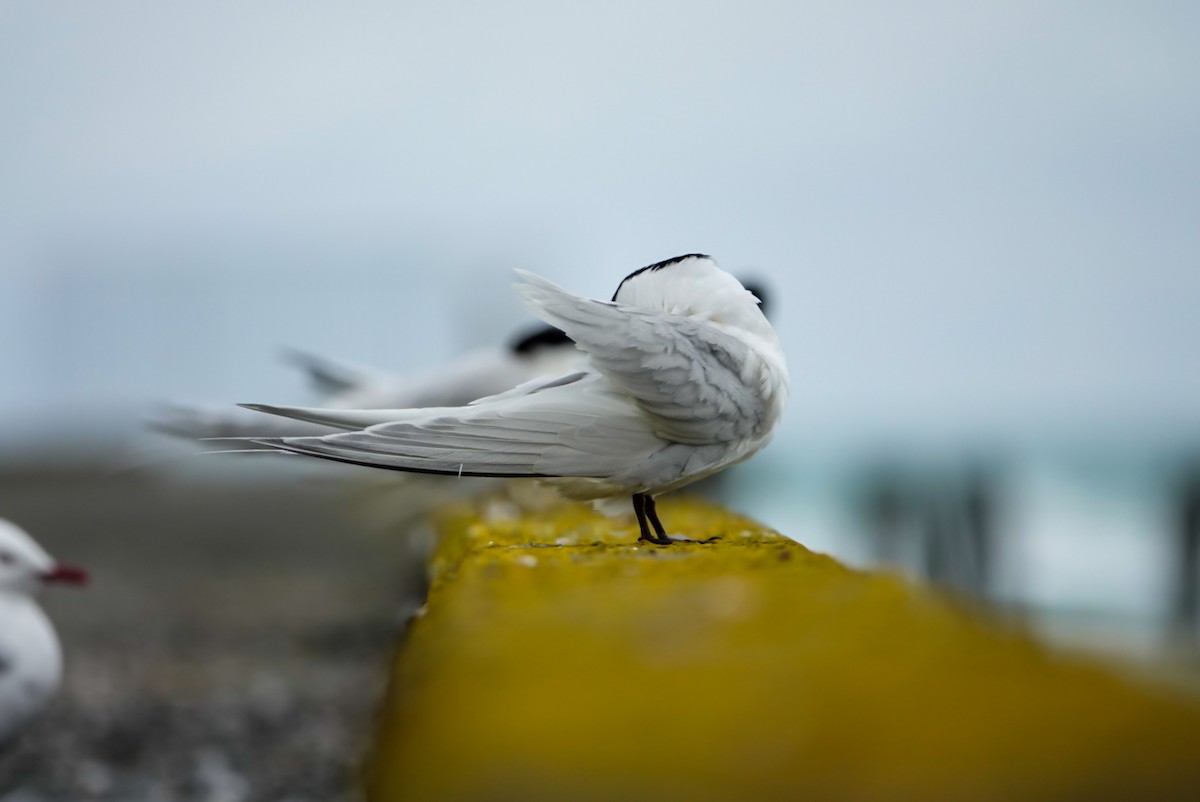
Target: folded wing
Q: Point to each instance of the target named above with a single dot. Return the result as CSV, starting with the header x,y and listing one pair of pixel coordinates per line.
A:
x,y
573,429
687,376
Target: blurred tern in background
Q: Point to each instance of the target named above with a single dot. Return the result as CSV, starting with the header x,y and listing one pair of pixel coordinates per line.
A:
x,y
30,655
542,351
682,376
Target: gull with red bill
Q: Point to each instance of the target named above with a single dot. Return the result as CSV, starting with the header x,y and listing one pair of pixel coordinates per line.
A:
x,y
30,654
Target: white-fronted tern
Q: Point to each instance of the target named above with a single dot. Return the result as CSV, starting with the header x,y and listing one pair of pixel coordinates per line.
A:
x,y
683,376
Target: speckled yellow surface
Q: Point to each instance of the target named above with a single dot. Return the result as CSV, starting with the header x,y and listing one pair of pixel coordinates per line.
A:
x,y
559,660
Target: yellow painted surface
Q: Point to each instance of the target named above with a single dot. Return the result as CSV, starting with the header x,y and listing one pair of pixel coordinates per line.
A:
x,y
559,660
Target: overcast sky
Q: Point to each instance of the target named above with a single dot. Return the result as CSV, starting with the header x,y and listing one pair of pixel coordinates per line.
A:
x,y
978,216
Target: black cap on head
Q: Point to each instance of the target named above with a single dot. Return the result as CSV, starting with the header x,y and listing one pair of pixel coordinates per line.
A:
x,y
658,266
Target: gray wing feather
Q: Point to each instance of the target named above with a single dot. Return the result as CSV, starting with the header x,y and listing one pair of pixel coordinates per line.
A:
x,y
194,422
687,375
657,379
564,430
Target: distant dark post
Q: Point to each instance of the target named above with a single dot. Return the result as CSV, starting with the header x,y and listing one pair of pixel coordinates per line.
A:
x,y
1187,609
884,508
979,513
936,557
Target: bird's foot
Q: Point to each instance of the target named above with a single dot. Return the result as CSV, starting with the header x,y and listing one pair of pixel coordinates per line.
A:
x,y
664,541
682,539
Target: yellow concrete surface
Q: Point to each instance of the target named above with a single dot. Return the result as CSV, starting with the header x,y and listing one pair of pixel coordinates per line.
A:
x,y
560,660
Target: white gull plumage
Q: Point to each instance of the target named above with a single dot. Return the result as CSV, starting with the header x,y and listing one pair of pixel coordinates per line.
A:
x,y
30,654
683,377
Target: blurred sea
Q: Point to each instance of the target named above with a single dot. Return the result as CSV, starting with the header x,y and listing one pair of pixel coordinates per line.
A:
x,y
1084,541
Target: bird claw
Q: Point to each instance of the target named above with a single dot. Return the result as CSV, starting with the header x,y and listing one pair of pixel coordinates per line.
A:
x,y
683,539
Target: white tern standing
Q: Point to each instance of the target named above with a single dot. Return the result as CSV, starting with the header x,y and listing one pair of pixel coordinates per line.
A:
x,y
683,376
30,655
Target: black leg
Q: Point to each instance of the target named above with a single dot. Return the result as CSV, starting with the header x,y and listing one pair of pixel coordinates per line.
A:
x,y
663,537
643,507
639,509
652,514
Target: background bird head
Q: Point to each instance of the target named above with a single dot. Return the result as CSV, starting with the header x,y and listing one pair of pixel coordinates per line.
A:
x,y
25,566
